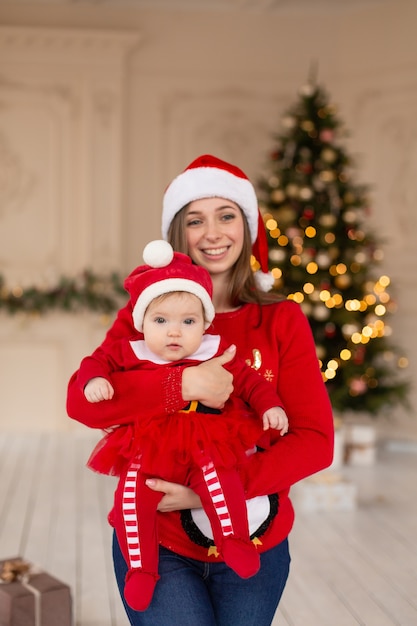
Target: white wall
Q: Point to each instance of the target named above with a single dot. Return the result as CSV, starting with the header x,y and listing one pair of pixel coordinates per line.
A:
x,y
102,114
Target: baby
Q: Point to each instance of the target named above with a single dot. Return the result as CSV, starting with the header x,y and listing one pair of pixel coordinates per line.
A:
x,y
197,446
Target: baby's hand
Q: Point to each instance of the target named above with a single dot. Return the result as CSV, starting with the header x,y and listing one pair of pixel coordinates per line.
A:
x,y
275,418
98,389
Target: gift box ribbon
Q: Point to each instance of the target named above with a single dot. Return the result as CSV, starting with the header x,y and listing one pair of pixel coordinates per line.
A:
x,y
18,570
15,570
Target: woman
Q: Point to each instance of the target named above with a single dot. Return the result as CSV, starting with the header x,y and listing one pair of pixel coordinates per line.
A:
x,y
210,212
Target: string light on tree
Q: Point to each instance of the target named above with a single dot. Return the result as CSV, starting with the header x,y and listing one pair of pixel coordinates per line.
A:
x,y
324,257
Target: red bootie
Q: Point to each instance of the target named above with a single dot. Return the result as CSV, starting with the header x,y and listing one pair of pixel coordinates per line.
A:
x,y
242,556
139,588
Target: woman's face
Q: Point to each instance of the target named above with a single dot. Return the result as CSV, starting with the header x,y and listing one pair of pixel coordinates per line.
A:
x,y
214,232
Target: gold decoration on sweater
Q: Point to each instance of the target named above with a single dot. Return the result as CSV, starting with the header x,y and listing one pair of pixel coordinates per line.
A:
x,y
212,551
257,359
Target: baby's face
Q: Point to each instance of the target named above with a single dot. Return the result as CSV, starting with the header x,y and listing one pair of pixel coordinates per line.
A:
x,y
173,325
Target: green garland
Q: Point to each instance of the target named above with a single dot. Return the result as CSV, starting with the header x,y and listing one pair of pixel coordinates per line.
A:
x,y
86,292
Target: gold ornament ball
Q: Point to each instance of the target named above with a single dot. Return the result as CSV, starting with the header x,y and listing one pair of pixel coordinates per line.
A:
x,y
321,352
306,193
343,281
321,313
307,90
350,217
276,255
292,190
285,214
327,176
288,121
278,196
307,125
328,155
323,259
274,181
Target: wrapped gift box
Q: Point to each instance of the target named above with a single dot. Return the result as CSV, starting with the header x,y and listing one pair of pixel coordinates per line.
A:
x,y
360,444
325,491
35,598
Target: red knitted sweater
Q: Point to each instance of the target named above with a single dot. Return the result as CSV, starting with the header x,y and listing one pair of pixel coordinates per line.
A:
x,y
276,339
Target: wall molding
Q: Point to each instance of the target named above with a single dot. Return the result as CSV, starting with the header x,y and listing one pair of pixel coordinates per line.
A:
x,y
55,44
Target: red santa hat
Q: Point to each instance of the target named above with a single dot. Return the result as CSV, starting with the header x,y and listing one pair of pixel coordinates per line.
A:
x,y
167,271
210,177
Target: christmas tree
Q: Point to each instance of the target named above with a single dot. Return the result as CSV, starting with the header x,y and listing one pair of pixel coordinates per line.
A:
x,y
324,256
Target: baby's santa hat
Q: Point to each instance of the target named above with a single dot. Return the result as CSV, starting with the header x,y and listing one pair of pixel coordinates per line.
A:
x,y
210,177
167,271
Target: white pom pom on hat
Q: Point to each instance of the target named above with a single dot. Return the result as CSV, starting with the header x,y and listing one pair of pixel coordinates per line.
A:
x,y
158,253
210,177
167,271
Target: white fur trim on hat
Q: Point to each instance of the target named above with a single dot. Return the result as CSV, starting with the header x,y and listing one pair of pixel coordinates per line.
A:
x,y
210,182
166,286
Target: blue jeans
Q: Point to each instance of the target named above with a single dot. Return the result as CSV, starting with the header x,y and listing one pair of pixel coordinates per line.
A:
x,y
193,593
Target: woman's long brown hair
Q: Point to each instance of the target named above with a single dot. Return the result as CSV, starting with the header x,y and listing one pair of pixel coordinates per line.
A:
x,y
242,286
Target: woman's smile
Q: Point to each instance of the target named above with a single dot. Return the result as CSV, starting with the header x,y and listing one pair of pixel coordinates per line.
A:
x,y
212,252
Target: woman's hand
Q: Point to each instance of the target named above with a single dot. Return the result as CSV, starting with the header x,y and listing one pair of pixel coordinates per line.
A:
x,y
209,382
176,498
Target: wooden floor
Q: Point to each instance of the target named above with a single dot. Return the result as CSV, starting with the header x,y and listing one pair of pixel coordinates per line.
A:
x,y
348,567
